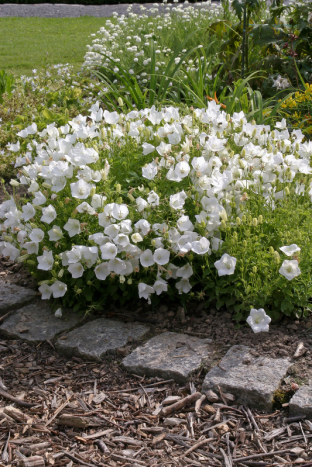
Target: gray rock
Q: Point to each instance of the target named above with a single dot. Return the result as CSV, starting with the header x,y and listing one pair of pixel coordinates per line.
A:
x,y
301,402
169,355
95,339
36,323
13,297
252,380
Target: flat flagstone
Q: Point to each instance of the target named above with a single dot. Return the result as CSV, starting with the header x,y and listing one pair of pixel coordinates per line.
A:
x,y
95,339
252,380
13,297
36,323
169,355
301,402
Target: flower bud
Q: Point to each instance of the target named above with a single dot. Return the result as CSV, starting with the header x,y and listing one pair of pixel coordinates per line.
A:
x,y
228,117
286,190
130,197
244,218
247,233
129,281
47,185
271,250
243,153
254,269
218,134
223,215
223,224
255,222
277,257
118,188
22,258
231,154
119,200
244,243
235,236
120,101
260,219
127,127
60,274
254,133
31,262
92,191
297,147
78,291
241,163
238,221
103,133
14,183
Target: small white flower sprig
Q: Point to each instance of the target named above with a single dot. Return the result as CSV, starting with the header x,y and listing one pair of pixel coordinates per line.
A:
x,y
187,184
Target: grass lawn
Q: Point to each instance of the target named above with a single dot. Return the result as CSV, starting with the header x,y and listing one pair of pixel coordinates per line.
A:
x,y
29,43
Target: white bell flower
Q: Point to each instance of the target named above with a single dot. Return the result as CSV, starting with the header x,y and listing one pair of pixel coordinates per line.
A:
x,y
28,211
58,289
226,265
74,256
45,262
73,227
290,250
102,271
39,199
183,286
142,226
147,148
31,247
45,291
76,270
177,201
48,214
33,187
117,265
98,201
161,256
58,313
160,286
153,198
109,251
36,235
112,230
122,240
141,204
201,246
147,258
258,320
55,234
145,291
184,224
290,269
120,211
182,169
80,189
136,238
125,227
85,208
150,171
185,271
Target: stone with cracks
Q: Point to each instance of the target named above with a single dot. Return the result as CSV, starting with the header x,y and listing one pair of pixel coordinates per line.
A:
x,y
301,402
36,323
169,355
253,380
95,339
13,297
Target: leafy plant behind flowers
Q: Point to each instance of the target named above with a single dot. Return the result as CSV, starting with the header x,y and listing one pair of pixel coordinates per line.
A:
x,y
197,205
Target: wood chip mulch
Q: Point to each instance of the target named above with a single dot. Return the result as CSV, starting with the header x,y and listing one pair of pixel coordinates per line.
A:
x,y
56,411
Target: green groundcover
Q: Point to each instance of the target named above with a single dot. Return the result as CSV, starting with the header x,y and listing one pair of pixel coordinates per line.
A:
x,y
87,2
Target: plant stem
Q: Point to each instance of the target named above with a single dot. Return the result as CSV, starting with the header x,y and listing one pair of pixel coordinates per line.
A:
x,y
244,38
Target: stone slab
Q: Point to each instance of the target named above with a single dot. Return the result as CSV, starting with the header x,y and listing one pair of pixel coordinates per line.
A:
x,y
301,402
95,339
169,355
13,297
36,323
252,380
